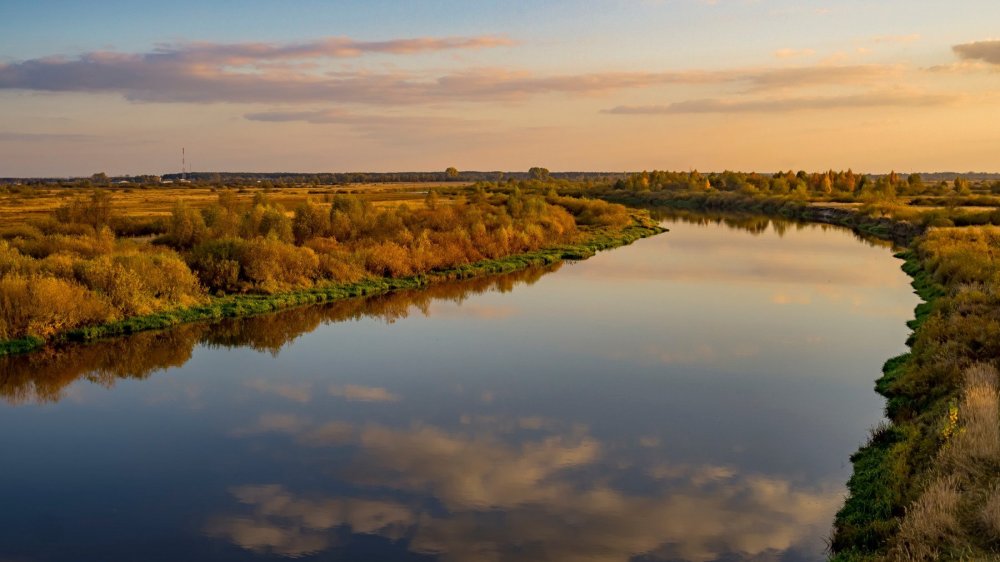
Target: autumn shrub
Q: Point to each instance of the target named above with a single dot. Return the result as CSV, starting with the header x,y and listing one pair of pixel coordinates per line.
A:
x,y
962,255
274,224
271,265
388,259
165,279
121,286
138,227
593,212
42,306
351,218
337,262
50,225
89,245
217,264
186,227
310,221
222,219
22,231
95,211
56,265
13,261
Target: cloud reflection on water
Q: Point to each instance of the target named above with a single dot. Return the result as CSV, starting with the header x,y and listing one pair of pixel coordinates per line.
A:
x,y
481,495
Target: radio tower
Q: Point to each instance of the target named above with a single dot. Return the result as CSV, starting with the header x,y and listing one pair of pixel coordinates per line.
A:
x,y
183,165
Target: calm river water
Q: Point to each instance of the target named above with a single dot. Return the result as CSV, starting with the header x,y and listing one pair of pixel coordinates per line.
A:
x,y
692,397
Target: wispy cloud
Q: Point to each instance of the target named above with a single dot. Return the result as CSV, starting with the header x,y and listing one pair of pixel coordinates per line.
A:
x,y
781,105
330,47
295,74
986,51
341,117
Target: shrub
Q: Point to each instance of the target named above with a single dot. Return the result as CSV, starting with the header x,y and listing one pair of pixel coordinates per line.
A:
x,y
270,265
122,287
388,259
186,227
42,306
310,221
217,264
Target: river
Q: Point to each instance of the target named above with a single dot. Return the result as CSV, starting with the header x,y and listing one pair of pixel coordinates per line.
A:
x,y
692,397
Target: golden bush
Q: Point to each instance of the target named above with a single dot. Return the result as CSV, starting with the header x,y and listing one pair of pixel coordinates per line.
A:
x,y
42,306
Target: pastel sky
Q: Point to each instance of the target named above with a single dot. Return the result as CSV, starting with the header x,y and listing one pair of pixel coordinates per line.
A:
x,y
389,85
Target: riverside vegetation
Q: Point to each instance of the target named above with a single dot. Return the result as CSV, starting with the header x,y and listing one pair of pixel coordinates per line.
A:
x,y
82,273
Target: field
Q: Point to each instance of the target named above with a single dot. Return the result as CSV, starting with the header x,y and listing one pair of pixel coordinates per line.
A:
x,y
21,204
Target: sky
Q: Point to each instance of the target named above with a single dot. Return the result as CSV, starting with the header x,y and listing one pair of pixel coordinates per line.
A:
x,y
572,85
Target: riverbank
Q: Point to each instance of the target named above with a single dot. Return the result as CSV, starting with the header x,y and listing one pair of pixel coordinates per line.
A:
x,y
926,485
244,305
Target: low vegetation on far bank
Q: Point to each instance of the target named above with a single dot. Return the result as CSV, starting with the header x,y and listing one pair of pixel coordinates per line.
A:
x,y
87,265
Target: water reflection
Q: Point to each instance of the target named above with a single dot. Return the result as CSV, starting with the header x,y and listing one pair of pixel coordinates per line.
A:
x,y
757,224
479,495
692,397
42,376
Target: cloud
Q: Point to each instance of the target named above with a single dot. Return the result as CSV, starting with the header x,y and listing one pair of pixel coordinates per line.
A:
x,y
291,526
363,393
986,51
817,75
783,105
330,47
363,120
291,74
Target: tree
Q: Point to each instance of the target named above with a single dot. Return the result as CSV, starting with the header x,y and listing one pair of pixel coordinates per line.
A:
x,y
962,186
538,173
432,199
452,173
826,186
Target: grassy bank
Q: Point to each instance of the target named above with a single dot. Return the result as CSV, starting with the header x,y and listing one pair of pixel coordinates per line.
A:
x,y
927,485
242,305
